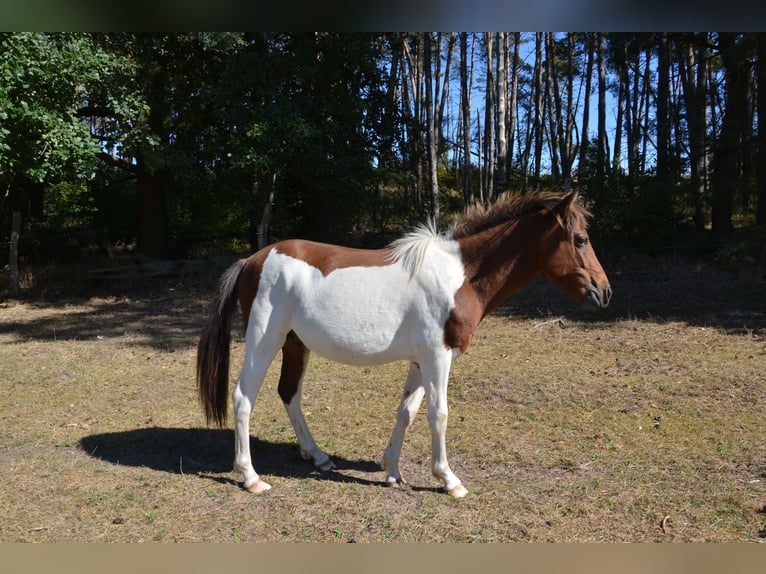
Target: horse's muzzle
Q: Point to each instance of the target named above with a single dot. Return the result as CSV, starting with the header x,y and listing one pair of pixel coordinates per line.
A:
x,y
597,298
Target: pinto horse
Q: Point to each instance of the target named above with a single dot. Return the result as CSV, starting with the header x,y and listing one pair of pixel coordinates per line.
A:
x,y
418,300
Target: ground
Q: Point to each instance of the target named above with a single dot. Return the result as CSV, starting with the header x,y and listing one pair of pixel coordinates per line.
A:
x,y
640,423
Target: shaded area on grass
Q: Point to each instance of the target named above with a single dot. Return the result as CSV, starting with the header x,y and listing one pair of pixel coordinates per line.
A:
x,y
160,319
206,452
657,289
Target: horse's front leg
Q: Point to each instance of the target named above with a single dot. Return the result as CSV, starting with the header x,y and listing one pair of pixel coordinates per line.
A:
x,y
435,379
412,396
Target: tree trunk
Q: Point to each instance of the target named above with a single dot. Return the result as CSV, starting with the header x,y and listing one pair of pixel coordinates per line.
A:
x,y
263,226
13,259
727,174
553,104
663,114
513,105
489,124
760,212
411,96
590,42
537,90
481,163
502,102
465,104
569,149
621,105
693,71
431,131
601,156
152,211
445,87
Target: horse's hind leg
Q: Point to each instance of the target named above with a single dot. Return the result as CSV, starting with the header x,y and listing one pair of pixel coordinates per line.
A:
x,y
257,361
295,357
412,396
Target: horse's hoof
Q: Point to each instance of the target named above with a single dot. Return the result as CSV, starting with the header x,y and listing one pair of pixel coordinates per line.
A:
x,y
458,491
327,465
398,483
258,486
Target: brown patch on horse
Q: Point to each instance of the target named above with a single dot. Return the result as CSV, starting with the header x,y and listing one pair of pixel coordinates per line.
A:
x,y
327,258
249,279
463,319
293,363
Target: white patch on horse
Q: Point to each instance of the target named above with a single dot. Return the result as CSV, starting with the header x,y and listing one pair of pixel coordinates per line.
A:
x,y
366,315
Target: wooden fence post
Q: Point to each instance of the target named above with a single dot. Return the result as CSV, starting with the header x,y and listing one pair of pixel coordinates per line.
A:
x,y
13,261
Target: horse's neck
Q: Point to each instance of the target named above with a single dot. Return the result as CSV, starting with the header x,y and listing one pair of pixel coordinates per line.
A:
x,y
498,262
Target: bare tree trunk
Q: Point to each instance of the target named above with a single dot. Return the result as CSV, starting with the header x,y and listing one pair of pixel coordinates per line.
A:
x,y
663,113
431,143
727,175
693,68
481,163
513,105
489,124
465,106
590,42
445,86
263,226
760,212
635,122
569,148
553,104
537,90
601,151
13,258
411,78
621,105
502,99
563,127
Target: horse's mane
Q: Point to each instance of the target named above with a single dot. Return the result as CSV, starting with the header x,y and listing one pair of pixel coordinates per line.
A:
x,y
508,207
411,248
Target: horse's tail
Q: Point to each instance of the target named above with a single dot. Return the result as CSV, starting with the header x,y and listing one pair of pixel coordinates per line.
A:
x,y
213,348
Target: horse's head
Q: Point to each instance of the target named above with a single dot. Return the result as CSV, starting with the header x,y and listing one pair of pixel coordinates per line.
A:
x,y
569,260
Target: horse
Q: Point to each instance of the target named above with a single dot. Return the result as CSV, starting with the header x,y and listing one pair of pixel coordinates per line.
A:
x,y
419,300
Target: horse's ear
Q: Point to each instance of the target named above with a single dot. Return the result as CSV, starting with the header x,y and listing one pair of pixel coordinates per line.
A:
x,y
566,204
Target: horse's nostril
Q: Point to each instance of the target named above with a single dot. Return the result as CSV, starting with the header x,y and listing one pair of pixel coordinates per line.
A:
x,y
607,295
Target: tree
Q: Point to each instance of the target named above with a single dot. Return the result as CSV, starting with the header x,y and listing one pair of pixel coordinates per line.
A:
x,y
760,214
44,78
693,67
152,139
727,175
465,108
501,49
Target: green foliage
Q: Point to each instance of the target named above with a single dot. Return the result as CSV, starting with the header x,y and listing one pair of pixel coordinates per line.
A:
x,y
44,80
208,126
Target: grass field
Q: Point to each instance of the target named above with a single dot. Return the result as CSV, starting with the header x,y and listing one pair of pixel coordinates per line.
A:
x,y
642,423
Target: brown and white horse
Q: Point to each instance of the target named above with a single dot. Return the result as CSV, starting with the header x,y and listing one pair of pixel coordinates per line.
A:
x,y
418,300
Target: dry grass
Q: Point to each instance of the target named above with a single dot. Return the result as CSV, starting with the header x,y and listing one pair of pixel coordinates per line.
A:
x,y
645,423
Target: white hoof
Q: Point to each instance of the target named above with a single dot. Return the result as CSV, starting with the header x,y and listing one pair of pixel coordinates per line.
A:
x,y
258,486
458,491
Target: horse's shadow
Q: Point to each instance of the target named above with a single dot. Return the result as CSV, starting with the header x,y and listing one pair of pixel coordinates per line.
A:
x,y
209,453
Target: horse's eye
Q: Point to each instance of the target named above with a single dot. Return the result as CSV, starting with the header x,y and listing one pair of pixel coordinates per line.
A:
x,y
580,240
